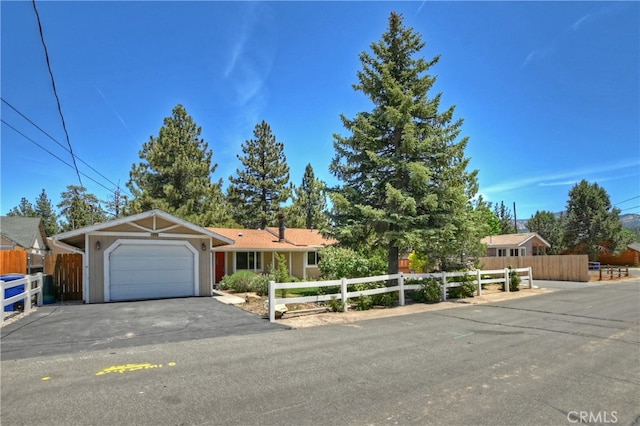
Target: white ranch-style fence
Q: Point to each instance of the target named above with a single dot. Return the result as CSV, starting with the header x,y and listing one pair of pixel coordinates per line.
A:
x,y
480,277
32,286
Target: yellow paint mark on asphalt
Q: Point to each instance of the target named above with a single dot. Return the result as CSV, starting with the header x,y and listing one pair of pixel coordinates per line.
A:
x,y
131,367
44,379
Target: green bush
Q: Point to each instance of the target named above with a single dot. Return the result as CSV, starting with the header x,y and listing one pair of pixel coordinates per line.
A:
x,y
467,289
514,280
335,305
340,262
430,292
241,281
260,284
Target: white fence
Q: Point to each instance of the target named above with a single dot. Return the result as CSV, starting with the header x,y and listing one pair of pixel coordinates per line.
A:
x,y
480,277
32,286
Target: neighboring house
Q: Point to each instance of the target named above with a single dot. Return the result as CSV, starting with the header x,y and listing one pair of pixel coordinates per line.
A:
x,y
150,255
629,257
23,233
511,245
254,250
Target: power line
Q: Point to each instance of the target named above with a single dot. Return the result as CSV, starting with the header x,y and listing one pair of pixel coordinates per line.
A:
x,y
55,91
52,154
61,145
632,198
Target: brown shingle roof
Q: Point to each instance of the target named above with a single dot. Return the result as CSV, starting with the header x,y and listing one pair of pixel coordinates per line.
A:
x,y
267,239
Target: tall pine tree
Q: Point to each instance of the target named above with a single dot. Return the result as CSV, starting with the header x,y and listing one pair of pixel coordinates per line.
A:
x,y
404,174
79,208
175,174
44,210
309,208
260,188
592,222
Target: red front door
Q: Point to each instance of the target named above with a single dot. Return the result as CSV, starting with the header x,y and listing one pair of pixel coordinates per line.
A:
x,y
219,263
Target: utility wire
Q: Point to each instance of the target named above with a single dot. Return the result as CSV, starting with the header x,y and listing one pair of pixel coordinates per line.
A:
x,y
632,198
55,91
52,154
61,145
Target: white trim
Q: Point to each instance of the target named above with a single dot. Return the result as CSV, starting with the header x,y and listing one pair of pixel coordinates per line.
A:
x,y
151,213
85,270
118,243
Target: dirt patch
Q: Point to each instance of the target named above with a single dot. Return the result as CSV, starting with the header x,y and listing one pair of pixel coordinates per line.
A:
x,y
302,315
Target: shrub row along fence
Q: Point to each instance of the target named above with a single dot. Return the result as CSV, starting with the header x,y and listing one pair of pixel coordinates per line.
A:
x,y
339,289
21,291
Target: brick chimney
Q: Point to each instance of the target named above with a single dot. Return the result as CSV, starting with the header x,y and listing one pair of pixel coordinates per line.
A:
x,y
281,227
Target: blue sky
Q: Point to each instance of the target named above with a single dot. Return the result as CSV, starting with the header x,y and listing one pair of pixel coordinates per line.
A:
x,y
549,91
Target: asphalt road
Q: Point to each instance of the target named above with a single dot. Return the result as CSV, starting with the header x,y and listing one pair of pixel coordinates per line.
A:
x,y
567,357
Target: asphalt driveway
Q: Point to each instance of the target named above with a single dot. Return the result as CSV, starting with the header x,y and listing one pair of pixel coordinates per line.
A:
x,y
73,328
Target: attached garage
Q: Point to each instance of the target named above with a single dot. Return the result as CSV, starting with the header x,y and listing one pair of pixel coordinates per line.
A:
x,y
151,255
140,270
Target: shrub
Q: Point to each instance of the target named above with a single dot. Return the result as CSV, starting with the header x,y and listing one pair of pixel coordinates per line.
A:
x,y
431,291
340,262
466,289
260,284
335,305
514,280
241,281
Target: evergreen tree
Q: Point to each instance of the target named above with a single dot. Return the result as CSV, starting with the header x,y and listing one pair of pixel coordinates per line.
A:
x,y
262,186
549,227
116,205
24,209
79,208
309,203
175,174
592,222
404,174
488,221
505,219
44,210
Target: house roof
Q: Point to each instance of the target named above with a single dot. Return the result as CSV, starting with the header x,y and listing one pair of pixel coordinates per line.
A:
x,y
152,222
268,239
22,230
512,240
634,246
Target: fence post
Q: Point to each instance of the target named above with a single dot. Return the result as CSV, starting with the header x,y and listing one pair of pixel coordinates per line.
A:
x,y
27,300
530,277
506,280
343,291
401,285
479,280
444,286
272,301
2,290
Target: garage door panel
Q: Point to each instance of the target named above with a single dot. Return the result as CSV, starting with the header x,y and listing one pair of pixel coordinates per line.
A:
x,y
149,271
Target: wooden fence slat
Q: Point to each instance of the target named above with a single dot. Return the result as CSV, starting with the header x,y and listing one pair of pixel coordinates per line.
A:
x,y
549,267
13,262
68,276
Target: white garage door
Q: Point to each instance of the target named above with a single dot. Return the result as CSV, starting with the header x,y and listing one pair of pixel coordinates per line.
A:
x,y
151,271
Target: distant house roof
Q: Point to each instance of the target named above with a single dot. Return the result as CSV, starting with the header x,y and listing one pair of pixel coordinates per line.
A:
x,y
634,246
23,231
512,240
296,239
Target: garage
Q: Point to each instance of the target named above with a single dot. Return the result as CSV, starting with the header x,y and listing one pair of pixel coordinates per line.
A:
x,y
140,270
150,255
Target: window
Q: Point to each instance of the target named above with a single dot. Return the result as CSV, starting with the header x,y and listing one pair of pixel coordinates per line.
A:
x,y
312,258
502,252
248,260
518,251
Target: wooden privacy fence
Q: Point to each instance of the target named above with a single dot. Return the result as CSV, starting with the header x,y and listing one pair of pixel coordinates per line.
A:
x,y
551,267
67,276
13,262
479,278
